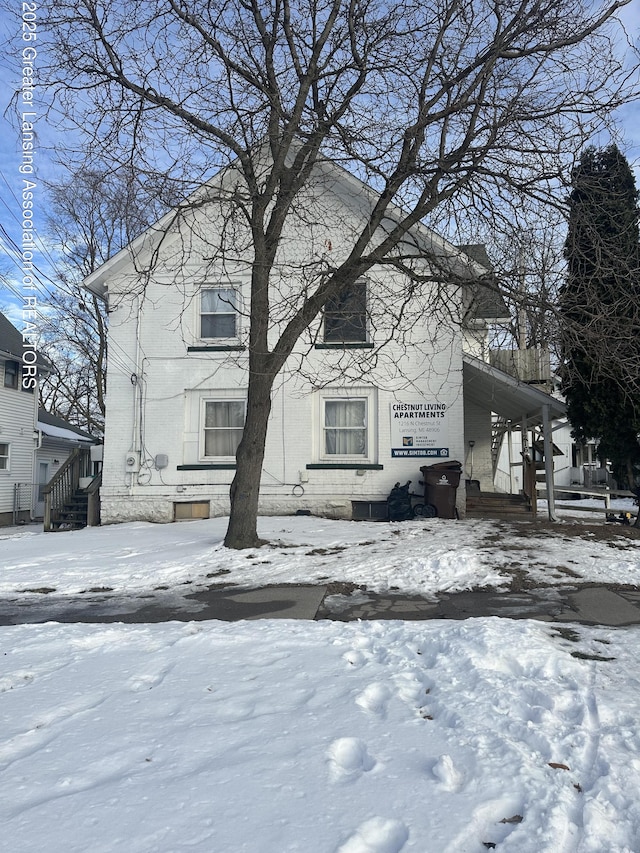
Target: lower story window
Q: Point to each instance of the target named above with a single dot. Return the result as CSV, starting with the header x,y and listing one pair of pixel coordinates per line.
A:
x,y
4,457
345,427
223,426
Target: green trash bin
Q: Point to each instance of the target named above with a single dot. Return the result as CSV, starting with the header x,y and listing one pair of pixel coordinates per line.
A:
x,y
441,483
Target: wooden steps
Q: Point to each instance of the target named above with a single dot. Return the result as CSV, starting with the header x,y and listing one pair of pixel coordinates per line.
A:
x,y
73,514
493,504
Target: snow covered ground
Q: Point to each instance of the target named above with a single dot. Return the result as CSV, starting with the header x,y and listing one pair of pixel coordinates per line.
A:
x,y
273,736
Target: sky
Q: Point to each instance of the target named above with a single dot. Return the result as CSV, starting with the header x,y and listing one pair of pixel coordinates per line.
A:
x,y
276,735
50,140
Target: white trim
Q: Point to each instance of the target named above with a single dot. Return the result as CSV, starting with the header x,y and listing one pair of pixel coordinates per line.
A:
x,y
215,398
6,456
369,396
236,312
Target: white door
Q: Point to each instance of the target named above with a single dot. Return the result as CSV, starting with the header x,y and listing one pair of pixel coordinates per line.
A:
x,y
43,479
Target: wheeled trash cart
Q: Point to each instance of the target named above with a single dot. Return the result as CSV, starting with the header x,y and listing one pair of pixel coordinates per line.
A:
x,y
441,483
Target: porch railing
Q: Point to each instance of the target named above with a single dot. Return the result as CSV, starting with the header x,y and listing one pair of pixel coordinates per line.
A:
x,y
64,485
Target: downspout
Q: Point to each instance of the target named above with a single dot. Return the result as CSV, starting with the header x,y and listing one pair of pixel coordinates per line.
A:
x,y
37,437
548,461
137,402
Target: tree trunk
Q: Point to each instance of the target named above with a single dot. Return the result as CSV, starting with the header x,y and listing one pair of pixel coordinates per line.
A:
x,y
630,474
245,488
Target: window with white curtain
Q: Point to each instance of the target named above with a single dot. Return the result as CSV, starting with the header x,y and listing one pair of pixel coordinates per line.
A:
x,y
219,312
4,457
223,426
345,427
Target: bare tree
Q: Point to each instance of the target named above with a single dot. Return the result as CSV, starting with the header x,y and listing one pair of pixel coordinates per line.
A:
x,y
528,258
94,212
438,106
73,336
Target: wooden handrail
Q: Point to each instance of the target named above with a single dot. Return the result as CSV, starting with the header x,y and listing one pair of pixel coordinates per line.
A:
x,y
93,501
64,484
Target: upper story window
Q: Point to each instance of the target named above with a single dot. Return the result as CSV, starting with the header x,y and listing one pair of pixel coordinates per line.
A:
x,y
345,315
4,457
223,426
219,313
11,374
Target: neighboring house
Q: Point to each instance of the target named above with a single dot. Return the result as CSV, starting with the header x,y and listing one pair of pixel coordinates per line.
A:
x,y
349,418
575,466
34,445
18,426
58,439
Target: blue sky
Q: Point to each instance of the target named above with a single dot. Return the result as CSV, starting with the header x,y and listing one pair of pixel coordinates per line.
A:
x,y
50,140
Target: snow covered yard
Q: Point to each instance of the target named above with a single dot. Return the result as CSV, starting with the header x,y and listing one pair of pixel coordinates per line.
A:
x,y
423,557
275,735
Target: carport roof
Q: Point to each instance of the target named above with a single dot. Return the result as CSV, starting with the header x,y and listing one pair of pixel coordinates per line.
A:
x,y
493,389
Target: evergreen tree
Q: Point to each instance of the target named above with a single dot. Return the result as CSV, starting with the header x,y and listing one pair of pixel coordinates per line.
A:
x,y
599,309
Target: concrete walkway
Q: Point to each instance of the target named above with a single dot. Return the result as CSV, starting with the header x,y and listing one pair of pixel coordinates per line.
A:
x,y
594,605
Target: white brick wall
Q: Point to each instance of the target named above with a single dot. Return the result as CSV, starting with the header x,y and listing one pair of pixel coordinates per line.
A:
x,y
156,411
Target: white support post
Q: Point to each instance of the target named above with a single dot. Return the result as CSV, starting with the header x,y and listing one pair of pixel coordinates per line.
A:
x,y
548,461
510,449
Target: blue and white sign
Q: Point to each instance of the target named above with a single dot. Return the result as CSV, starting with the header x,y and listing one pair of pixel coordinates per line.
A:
x,y
419,428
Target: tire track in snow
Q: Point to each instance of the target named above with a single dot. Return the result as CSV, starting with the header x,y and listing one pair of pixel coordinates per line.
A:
x,y
44,729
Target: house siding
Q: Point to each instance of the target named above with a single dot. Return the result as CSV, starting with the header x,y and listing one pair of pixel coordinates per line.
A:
x,y
18,415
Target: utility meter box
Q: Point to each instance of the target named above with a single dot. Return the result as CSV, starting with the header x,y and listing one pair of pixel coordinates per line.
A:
x,y
132,461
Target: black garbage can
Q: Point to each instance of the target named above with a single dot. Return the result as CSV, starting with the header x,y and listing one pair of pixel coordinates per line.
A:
x,y
441,483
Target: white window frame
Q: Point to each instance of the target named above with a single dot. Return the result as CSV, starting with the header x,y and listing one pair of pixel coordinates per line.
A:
x,y
367,395
5,458
234,310
202,432
338,341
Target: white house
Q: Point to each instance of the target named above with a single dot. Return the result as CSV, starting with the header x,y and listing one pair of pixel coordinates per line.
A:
x,y
57,440
34,445
18,426
389,379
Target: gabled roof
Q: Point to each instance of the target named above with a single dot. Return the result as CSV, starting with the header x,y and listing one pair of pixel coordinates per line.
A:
x,y
11,345
56,427
10,339
486,300
467,266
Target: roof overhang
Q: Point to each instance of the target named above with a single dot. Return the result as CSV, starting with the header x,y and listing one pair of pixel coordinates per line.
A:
x,y
492,389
